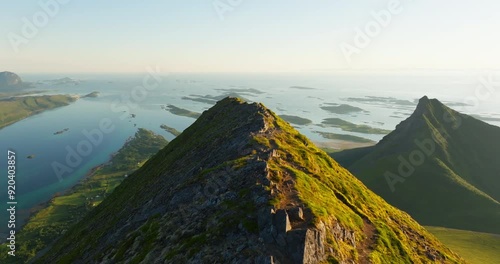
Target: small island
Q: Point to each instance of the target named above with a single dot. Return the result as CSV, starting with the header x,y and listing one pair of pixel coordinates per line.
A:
x,y
383,101
296,120
61,131
348,126
171,130
342,109
182,112
62,81
91,95
303,88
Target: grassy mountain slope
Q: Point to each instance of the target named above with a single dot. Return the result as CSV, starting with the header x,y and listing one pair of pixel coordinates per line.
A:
x,y
241,185
65,210
475,247
438,165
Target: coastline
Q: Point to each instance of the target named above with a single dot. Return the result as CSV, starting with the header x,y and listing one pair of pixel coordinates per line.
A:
x,y
15,109
49,220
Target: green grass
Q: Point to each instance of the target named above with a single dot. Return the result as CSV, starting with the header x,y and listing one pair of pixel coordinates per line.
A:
x,y
17,108
92,95
351,127
475,247
63,211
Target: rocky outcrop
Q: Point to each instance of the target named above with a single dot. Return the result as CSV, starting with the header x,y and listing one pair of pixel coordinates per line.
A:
x,y
343,234
301,245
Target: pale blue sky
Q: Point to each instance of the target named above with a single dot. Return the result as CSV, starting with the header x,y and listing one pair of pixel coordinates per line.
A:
x,y
256,36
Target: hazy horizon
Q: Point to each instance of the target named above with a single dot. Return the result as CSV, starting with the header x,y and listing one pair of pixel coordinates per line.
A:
x,y
220,36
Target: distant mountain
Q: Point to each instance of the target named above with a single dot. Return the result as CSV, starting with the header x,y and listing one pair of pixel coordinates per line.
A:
x,y
440,166
241,185
9,80
60,81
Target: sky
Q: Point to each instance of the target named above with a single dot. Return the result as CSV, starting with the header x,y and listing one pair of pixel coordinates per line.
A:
x,y
57,36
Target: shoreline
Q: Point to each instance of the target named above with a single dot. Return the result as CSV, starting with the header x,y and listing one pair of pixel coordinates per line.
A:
x,y
36,208
40,206
28,113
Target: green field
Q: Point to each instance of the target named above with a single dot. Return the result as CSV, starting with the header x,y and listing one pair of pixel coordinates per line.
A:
x,y
475,247
63,211
17,108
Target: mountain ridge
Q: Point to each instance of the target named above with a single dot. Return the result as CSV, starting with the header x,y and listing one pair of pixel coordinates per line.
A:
x,y
241,185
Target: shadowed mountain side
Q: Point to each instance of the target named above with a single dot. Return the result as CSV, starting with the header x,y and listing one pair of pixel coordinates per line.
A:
x,y
438,165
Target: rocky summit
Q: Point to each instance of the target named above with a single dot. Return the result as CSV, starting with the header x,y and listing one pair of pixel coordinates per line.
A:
x,y
241,185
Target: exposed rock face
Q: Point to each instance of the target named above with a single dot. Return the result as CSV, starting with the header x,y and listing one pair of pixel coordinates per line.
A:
x,y
242,186
9,80
301,245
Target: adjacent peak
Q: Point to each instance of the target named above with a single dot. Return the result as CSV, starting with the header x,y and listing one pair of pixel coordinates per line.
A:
x,y
425,104
424,99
